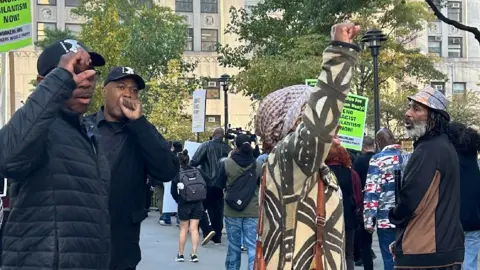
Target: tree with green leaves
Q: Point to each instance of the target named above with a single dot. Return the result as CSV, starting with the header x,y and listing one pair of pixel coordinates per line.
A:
x,y
53,35
132,33
287,49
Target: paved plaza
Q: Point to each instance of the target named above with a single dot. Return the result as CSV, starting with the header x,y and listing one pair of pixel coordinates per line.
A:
x,y
160,244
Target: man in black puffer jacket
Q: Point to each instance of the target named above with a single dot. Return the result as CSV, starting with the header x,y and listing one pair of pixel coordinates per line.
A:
x,y
59,215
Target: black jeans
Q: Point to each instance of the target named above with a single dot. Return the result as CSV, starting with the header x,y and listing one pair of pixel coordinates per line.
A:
x,y
349,248
214,206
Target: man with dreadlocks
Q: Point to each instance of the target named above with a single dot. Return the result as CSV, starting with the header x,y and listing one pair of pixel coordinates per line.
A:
x,y
427,213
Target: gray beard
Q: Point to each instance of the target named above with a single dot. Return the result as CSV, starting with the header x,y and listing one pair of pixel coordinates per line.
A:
x,y
419,129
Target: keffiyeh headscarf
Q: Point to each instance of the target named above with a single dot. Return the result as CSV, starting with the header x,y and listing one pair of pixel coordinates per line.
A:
x,y
279,111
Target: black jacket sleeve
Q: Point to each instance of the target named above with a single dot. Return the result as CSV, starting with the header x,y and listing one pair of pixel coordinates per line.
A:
x,y
222,175
23,138
161,164
199,155
173,188
419,174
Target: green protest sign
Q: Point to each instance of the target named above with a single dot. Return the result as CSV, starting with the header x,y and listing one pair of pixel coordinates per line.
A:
x,y
15,24
352,119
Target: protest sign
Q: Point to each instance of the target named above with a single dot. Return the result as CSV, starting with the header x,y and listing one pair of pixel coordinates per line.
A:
x,y
15,24
352,119
198,113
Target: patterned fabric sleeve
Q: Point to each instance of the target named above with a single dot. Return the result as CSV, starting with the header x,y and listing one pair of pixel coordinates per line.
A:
x,y
310,143
373,189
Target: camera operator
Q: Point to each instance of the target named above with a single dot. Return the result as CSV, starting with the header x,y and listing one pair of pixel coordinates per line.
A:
x,y
207,158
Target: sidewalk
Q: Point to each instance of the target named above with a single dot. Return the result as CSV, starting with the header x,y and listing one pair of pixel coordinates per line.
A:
x,y
159,246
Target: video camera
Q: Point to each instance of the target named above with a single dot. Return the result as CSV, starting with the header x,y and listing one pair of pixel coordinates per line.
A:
x,y
232,133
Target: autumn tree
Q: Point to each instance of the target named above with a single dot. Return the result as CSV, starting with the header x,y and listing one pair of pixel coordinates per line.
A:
x,y
284,41
53,35
171,95
135,34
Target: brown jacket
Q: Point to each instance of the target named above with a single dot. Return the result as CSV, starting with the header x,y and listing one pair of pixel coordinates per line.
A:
x,y
427,214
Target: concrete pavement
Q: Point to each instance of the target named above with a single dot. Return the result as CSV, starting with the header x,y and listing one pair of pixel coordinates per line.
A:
x,y
160,244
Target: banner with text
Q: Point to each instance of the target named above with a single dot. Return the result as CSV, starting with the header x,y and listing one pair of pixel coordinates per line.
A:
x,y
15,24
352,119
199,106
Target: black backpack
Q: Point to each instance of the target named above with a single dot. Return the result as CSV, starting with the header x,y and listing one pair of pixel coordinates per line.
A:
x,y
194,186
241,192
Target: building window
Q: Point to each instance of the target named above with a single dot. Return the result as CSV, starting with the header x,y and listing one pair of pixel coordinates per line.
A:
x,y
189,39
209,6
459,87
455,47
47,2
209,40
435,45
455,10
41,26
213,89
440,86
184,5
72,3
74,28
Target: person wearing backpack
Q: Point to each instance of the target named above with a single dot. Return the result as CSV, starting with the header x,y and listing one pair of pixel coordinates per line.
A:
x,y
188,189
239,178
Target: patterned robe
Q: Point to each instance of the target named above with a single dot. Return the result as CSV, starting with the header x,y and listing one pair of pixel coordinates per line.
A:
x,y
290,198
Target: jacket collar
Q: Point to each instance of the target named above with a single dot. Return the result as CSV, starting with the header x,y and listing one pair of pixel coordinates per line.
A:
x,y
392,146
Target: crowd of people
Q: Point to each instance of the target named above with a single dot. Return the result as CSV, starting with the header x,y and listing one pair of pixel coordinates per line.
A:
x,y
304,203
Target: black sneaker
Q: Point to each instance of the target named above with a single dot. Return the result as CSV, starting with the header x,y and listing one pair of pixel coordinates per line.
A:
x,y
207,238
179,258
193,258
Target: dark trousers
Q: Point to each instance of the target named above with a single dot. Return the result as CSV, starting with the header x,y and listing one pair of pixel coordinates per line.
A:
x,y
148,199
214,206
349,248
363,247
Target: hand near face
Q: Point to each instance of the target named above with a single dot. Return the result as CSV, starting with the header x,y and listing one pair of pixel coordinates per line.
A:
x,y
78,65
345,32
132,109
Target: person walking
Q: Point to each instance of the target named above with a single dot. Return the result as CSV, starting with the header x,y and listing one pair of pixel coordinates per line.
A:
x,y
207,158
188,189
467,143
237,173
166,218
380,191
135,150
298,123
339,162
429,232
363,239
59,217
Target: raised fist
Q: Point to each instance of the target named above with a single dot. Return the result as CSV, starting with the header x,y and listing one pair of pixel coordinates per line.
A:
x,y
345,32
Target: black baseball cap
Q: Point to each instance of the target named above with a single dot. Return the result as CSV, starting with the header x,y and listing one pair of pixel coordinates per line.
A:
x,y
119,73
49,58
242,139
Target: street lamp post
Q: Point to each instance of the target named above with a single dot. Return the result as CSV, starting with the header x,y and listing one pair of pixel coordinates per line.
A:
x,y
374,39
224,83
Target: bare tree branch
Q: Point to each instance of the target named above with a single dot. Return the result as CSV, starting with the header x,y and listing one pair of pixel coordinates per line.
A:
x,y
475,31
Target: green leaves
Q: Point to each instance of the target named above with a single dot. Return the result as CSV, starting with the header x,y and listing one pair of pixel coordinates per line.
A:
x,y
53,35
285,41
